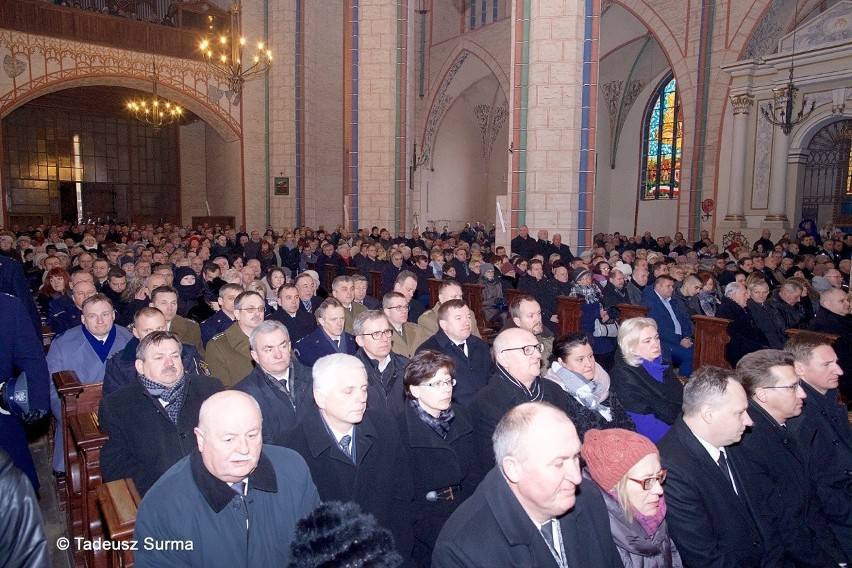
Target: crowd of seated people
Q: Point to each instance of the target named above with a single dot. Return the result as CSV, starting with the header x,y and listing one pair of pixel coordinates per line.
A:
x,y
341,392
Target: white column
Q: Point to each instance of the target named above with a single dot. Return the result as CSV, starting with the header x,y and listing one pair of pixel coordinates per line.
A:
x,y
741,105
778,172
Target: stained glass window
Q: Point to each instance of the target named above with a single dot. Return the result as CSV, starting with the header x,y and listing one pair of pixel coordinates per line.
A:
x,y
663,140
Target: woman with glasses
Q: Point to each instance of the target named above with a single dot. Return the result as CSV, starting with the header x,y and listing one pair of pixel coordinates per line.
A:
x,y
645,383
626,468
439,437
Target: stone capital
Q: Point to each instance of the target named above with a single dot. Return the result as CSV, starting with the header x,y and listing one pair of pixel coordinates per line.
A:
x,y
742,104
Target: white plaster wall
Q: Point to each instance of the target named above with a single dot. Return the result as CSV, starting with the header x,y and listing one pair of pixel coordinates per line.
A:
x,y
282,25
193,170
224,183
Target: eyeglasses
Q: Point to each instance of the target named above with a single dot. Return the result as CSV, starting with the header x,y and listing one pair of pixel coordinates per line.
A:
x,y
251,309
792,387
402,307
440,384
527,349
386,333
648,482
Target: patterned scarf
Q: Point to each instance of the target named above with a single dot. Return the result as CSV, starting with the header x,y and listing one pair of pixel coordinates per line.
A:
x,y
441,424
172,398
590,294
581,389
535,393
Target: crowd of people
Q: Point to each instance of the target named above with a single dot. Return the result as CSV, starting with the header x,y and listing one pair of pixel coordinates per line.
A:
x,y
243,391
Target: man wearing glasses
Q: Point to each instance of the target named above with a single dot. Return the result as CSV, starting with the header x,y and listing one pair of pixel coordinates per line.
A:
x,y
516,380
712,518
229,353
385,368
407,336
777,467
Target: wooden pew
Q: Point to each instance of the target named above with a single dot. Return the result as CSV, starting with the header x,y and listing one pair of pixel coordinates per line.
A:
x,y
710,338
434,285
513,293
119,501
628,311
353,270
473,298
89,439
75,398
376,281
570,311
830,338
329,276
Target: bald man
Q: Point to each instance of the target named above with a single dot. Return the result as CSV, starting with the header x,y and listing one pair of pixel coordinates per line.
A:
x,y
233,487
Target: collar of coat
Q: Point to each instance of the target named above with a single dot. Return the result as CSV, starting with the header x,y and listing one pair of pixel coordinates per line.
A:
x,y
218,494
319,440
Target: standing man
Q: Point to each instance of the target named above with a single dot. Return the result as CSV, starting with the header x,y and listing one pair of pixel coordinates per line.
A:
x,y
385,368
328,337
299,323
222,320
822,431
777,467
534,508
229,353
712,517
523,245
84,350
244,498
354,452
150,420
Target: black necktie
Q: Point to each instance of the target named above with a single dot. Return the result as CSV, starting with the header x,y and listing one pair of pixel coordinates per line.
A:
x,y
343,444
723,465
337,345
547,532
463,350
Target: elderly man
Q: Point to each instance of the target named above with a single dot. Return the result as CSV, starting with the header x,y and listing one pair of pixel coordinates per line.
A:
x,y
523,244
343,290
361,296
785,305
121,366
279,383
385,369
299,323
306,285
516,380
746,337
84,350
615,292
390,271
329,336
822,431
711,517
534,284
534,508
526,314
776,467
65,312
407,336
165,299
835,278
150,420
470,354
354,452
564,250
229,353
244,498
673,323
448,290
221,320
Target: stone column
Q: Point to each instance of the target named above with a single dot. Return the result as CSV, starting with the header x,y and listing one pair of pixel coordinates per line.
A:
x,y
778,170
741,105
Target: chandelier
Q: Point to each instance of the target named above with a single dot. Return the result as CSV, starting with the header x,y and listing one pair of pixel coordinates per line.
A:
x,y
780,111
224,54
154,111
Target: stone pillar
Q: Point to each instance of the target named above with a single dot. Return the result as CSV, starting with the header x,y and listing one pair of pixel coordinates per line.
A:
x,y
741,105
778,169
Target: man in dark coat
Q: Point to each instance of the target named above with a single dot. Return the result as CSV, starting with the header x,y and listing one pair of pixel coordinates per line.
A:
x,y
515,381
13,281
712,518
279,383
776,467
745,336
534,508
523,245
385,369
785,304
299,323
833,317
236,501
564,250
470,354
328,338
536,285
21,350
822,431
224,318
22,538
121,366
354,454
150,421
65,311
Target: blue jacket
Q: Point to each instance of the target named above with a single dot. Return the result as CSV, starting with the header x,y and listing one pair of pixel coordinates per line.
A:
x,y
63,314
21,350
188,504
13,281
317,344
214,325
665,326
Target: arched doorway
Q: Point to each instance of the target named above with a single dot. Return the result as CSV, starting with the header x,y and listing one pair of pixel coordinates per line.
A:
x,y
827,181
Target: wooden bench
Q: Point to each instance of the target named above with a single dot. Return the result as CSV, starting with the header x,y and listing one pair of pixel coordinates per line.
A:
x,y
353,271
628,311
376,281
710,338
89,439
119,501
329,276
473,298
434,286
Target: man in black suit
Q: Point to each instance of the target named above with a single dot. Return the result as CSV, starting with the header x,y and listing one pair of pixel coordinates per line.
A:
x,y
534,508
745,335
524,244
777,467
150,421
279,383
385,369
354,454
470,354
711,515
299,323
328,337
515,381
307,287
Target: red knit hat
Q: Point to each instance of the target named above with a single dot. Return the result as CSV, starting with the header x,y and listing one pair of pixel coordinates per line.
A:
x,y
610,454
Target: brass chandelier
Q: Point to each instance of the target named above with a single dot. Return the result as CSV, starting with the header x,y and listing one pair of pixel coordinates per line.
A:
x,y
153,110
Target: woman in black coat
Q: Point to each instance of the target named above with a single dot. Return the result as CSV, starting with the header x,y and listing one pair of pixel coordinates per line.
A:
x,y
439,438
